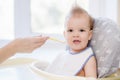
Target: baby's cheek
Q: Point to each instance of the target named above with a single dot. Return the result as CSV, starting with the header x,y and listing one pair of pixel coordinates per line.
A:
x,y
85,38
69,42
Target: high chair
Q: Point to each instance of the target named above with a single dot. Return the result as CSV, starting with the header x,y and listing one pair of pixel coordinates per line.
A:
x,y
106,46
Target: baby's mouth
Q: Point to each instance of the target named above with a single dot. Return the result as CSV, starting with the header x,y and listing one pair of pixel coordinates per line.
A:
x,y
76,41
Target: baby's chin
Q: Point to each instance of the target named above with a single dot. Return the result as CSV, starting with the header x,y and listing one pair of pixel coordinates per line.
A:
x,y
77,50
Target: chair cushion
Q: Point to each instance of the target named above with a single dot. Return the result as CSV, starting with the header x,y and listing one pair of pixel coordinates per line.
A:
x,y
106,46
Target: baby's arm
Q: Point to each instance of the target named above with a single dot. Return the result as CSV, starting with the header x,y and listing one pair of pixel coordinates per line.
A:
x,y
91,68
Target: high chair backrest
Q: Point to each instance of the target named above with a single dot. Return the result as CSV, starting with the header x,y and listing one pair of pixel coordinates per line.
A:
x,y
106,46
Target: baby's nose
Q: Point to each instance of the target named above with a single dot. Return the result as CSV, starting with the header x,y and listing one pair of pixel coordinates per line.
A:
x,y
76,34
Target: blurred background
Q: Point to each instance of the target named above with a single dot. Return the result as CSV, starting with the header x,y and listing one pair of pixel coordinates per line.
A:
x,y
25,18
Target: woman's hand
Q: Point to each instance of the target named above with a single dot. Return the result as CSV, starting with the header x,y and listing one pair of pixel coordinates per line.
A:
x,y
27,44
21,45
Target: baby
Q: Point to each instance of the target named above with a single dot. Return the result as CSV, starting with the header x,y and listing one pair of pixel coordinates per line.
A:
x,y
78,59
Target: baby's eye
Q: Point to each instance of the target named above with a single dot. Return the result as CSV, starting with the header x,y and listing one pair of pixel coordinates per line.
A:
x,y
82,30
70,30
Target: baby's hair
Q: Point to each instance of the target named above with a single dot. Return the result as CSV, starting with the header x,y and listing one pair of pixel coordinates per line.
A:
x,y
76,10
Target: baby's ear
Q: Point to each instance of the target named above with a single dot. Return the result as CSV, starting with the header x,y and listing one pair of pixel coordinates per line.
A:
x,y
90,34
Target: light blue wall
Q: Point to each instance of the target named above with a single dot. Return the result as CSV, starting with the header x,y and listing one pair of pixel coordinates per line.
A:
x,y
104,8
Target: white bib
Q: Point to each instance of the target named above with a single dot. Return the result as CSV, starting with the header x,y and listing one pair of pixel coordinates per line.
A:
x,y
70,64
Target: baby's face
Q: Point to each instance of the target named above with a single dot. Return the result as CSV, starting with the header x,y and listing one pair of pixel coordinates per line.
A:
x,y
77,32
